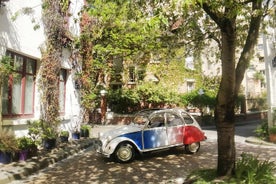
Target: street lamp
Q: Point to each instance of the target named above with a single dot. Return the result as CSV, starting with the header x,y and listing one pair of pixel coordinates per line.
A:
x,y
103,105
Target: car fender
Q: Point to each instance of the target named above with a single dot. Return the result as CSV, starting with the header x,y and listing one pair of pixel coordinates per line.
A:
x,y
112,145
193,134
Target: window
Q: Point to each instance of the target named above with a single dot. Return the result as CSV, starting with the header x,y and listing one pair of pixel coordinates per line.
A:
x,y
190,85
187,118
173,120
157,120
18,88
131,73
189,63
62,90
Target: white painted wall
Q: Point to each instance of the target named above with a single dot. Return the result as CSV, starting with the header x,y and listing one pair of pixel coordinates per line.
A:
x,y
269,54
19,36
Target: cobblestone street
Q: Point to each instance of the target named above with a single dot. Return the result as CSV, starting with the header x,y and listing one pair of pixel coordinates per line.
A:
x,y
162,167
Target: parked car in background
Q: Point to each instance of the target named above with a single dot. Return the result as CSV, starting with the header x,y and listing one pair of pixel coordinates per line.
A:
x,y
151,130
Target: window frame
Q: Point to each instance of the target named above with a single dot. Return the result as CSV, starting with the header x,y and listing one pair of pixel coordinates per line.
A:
x,y
23,75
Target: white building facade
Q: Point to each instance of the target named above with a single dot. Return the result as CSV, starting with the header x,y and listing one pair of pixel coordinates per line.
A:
x,y
270,63
22,37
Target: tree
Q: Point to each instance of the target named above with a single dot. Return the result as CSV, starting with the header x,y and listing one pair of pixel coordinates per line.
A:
x,y
110,30
232,72
233,25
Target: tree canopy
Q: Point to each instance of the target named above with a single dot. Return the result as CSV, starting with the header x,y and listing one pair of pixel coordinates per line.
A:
x,y
227,30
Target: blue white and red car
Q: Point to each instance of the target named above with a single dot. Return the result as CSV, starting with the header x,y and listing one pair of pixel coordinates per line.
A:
x,y
152,130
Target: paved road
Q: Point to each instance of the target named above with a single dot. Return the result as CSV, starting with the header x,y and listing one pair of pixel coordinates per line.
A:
x,y
160,167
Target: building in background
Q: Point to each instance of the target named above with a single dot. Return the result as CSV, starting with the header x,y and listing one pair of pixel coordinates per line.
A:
x,y
21,38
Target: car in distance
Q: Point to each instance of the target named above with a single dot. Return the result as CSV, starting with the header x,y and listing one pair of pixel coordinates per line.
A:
x,y
151,130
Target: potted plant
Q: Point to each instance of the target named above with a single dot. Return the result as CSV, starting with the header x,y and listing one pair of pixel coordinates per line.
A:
x,y
84,130
43,133
272,134
49,136
8,147
64,135
26,147
76,134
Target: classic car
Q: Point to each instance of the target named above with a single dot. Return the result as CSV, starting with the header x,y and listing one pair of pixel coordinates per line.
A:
x,y
151,130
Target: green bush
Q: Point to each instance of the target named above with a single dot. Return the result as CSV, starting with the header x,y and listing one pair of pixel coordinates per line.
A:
x,y
262,130
272,130
25,143
143,96
250,170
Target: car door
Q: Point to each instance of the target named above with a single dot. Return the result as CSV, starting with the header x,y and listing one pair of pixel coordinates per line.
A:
x,y
155,134
175,129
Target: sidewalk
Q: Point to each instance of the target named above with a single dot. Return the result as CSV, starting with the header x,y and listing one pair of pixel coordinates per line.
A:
x,y
22,169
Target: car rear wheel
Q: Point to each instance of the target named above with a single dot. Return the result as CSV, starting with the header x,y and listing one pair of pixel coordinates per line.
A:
x,y
124,153
192,148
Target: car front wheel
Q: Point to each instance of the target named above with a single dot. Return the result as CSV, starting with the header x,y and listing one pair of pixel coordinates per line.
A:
x,y
192,148
124,153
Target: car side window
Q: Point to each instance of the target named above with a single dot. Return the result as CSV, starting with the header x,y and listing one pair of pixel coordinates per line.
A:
x,y
157,121
187,118
173,120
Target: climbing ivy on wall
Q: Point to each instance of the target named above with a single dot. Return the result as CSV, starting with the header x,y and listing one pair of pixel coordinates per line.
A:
x,y
53,20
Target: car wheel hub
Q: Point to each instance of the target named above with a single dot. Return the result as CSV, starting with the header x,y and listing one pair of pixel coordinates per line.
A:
x,y
124,153
193,147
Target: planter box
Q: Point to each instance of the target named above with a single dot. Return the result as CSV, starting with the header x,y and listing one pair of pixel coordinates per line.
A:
x,y
272,138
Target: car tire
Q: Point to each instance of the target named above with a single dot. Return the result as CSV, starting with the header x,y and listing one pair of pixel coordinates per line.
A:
x,y
192,148
124,153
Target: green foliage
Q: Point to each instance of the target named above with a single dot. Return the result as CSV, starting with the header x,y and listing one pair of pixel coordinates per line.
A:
x,y
39,130
272,130
5,67
262,130
56,39
251,170
202,176
199,100
25,143
85,127
143,96
64,133
7,142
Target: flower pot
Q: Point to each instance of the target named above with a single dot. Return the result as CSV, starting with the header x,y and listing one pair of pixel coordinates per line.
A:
x,y
272,138
5,157
32,151
76,135
23,155
49,143
64,138
84,133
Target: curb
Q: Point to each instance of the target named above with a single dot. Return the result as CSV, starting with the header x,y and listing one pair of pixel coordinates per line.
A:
x,y
257,141
22,169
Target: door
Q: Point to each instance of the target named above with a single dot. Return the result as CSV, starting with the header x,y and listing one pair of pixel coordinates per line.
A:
x,y
175,129
155,134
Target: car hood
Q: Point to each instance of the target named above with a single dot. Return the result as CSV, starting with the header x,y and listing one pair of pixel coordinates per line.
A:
x,y
120,131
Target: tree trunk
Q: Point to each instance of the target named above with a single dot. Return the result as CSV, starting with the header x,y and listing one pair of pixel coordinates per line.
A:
x,y
224,113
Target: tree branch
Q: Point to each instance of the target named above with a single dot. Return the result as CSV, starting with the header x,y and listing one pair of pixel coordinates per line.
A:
x,y
251,41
